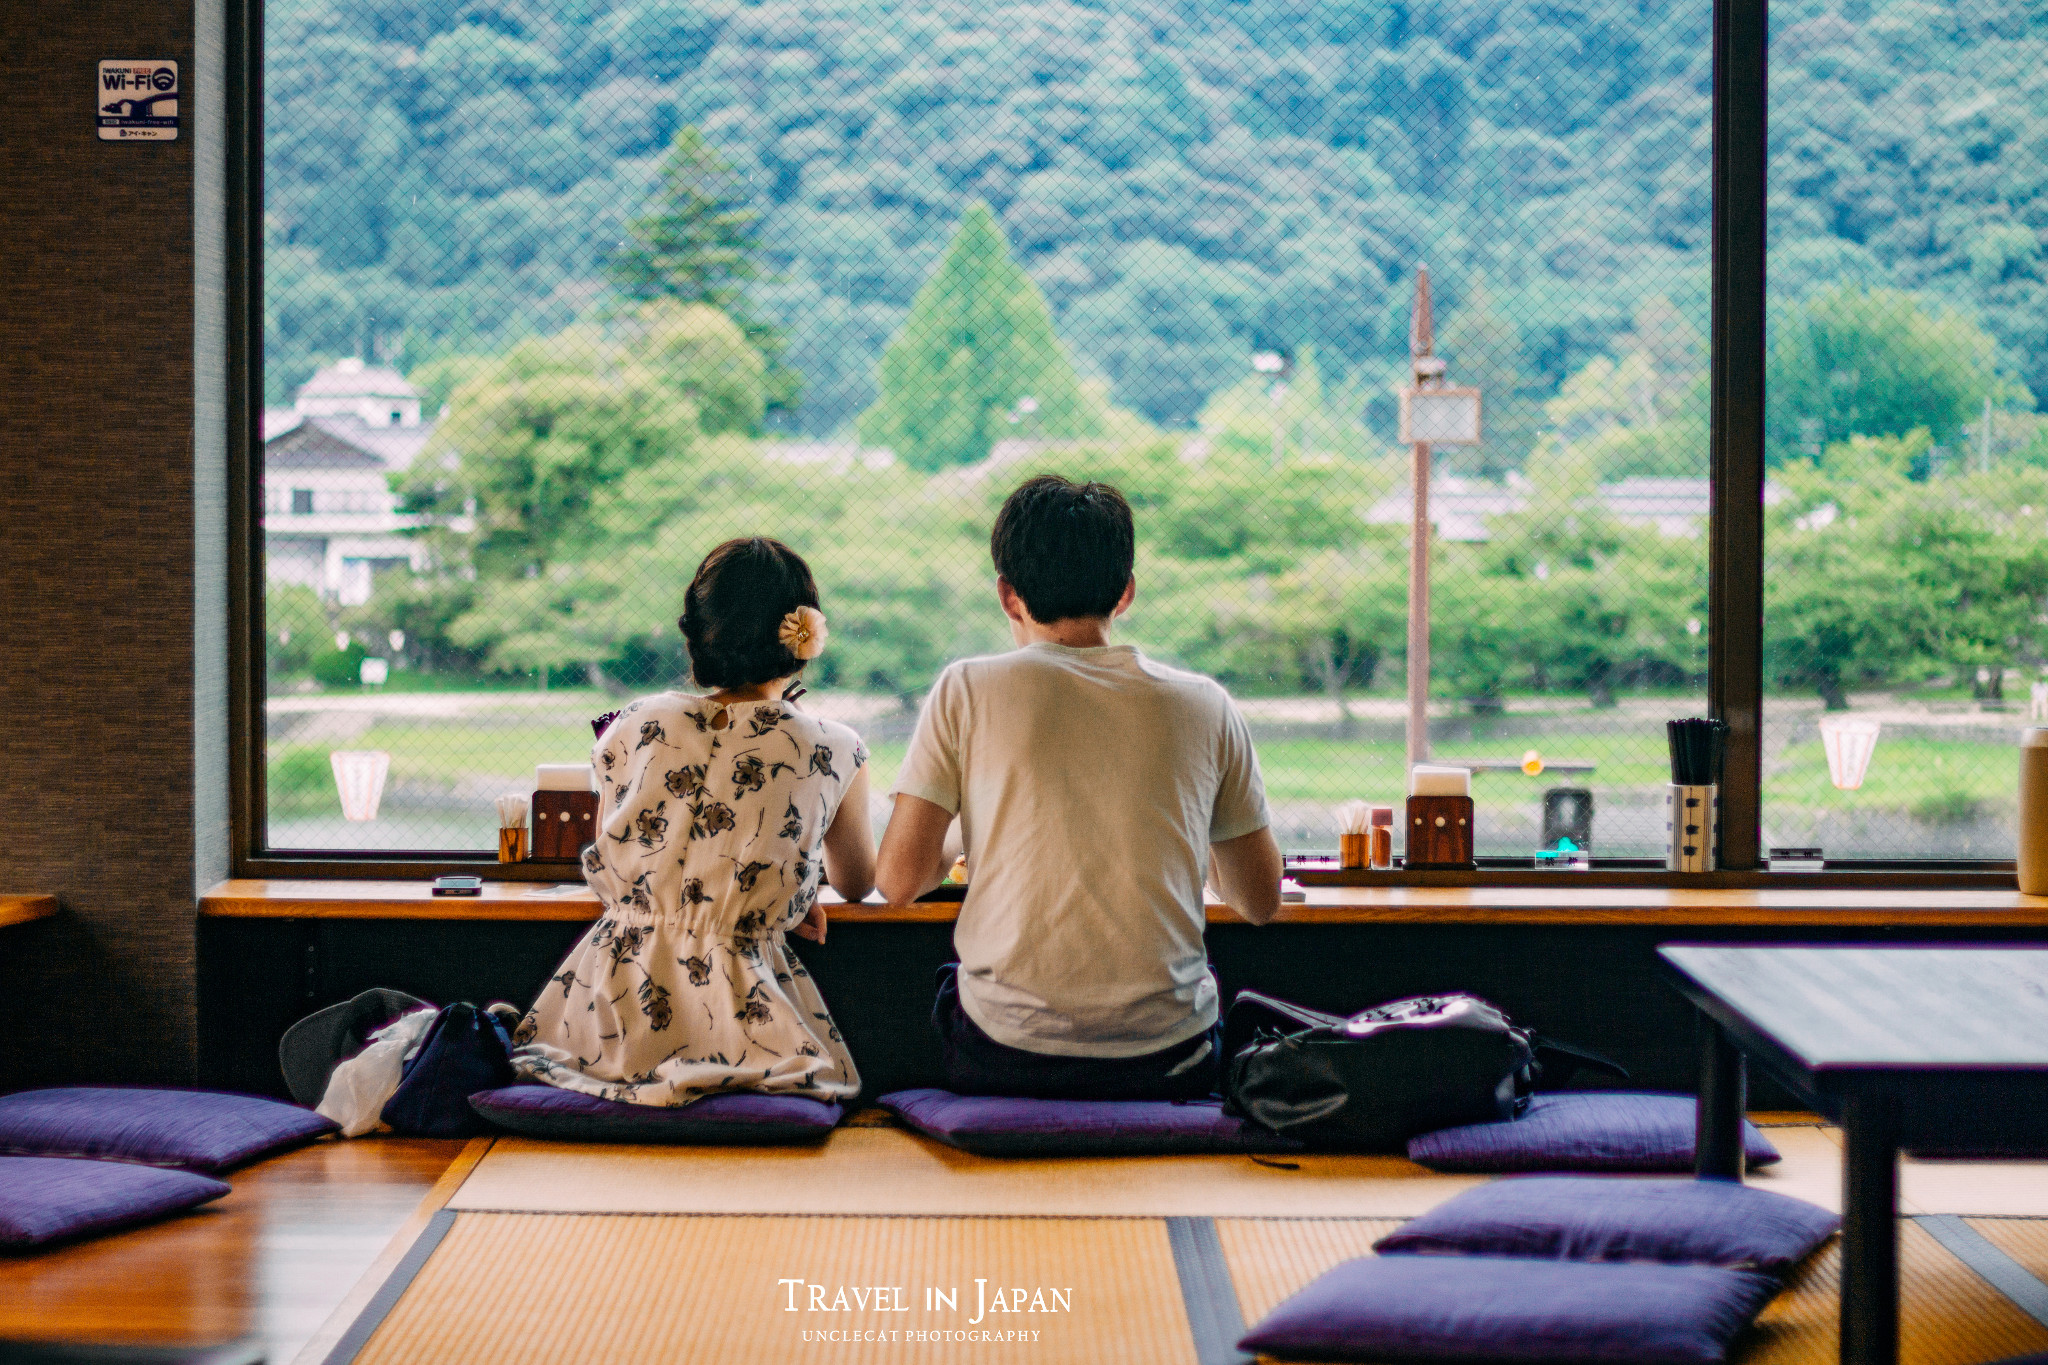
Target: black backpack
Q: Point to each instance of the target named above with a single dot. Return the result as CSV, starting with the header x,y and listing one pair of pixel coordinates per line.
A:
x,y
1374,1080
465,1050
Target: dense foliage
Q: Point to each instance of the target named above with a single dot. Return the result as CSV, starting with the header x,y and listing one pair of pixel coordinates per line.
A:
x,y
579,478
621,241
1183,179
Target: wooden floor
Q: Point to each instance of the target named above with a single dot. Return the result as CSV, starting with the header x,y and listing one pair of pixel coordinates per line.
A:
x,y
270,1261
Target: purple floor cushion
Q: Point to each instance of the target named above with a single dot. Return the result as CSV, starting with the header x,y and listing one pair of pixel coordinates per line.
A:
x,y
46,1198
197,1130
998,1126
738,1119
1596,1218
1482,1308
1590,1130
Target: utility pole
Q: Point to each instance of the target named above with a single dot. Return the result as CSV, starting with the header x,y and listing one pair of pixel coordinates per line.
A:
x,y
1433,413
1427,368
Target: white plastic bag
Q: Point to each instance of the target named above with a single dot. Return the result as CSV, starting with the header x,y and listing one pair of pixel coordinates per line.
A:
x,y
358,1088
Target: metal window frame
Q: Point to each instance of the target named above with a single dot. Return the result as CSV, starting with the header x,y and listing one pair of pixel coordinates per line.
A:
x,y
1735,533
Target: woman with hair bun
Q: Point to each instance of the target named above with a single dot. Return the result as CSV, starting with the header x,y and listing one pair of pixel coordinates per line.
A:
x,y
718,815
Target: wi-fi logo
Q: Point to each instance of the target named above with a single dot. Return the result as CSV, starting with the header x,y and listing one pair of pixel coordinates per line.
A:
x,y
163,78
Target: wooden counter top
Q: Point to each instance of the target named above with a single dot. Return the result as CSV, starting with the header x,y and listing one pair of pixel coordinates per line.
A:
x,y
22,909
1559,905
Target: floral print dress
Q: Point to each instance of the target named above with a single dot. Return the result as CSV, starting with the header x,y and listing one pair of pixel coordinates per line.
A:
x,y
710,847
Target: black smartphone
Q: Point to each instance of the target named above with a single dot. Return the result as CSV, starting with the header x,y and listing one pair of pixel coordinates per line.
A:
x,y
458,886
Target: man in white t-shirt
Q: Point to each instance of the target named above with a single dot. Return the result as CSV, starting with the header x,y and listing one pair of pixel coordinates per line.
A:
x,y
1094,788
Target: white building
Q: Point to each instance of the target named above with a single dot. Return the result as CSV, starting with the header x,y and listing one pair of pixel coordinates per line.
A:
x,y
330,519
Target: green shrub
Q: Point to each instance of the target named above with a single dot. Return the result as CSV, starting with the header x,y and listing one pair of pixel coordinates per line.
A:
x,y
301,780
340,667
1949,808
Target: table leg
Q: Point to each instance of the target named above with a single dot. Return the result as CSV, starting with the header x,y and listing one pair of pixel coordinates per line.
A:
x,y
1724,1096
1870,1233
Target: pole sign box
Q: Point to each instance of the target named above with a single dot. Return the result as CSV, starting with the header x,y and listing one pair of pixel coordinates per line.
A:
x,y
137,101
1445,415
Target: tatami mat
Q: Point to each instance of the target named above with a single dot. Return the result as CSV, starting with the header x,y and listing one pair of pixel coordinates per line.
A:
x,y
2014,1189
1271,1258
552,1288
1949,1314
874,1171
2023,1239
570,1251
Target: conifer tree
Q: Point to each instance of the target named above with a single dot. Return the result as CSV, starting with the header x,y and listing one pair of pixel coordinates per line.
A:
x,y
697,242
976,361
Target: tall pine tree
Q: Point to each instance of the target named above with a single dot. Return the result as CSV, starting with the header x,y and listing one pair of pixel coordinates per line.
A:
x,y
977,350
697,242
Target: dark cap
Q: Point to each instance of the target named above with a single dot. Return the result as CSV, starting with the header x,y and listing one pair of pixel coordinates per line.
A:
x,y
313,1047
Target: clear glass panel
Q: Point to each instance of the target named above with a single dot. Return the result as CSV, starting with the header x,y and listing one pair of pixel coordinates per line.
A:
x,y
558,297
1907,521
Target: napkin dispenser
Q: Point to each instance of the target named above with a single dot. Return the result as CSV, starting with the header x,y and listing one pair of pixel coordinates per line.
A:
x,y
1439,834
564,812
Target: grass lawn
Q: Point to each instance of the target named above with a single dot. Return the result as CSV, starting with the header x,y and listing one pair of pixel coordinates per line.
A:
x,y
1923,776
1939,781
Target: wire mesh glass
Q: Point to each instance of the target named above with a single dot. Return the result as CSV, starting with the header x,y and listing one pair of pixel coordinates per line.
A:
x,y
557,297
1907,503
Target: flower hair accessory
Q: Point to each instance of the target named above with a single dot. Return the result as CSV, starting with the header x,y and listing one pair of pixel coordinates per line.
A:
x,y
803,632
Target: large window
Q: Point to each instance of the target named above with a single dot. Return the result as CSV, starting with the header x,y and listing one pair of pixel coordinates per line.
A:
x,y
554,300
1907,522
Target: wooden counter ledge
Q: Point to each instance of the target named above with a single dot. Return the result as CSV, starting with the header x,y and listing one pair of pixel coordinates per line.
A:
x,y
22,909
1559,905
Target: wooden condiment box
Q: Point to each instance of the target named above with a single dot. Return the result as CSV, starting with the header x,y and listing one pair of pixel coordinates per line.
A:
x,y
564,823
1440,833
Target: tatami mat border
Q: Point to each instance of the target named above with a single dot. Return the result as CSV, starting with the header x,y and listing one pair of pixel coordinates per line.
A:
x,y
393,1289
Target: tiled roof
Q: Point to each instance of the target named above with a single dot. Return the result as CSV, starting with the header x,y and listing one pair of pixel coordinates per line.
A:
x,y
310,445
343,443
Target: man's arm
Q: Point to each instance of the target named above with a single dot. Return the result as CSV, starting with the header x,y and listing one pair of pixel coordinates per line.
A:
x,y
1247,873
913,858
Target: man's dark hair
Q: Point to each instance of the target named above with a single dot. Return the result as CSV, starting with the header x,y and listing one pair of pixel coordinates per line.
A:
x,y
1065,547
732,613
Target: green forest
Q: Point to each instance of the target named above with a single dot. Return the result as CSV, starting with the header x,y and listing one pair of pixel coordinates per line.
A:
x,y
1186,180
630,248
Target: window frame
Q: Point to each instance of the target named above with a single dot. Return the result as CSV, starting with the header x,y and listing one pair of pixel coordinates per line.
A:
x,y
1735,530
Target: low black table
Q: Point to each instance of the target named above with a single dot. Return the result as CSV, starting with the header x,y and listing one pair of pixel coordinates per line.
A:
x,y
1939,1050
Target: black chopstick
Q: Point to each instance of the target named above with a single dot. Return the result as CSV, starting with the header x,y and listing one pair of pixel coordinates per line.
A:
x,y
1696,744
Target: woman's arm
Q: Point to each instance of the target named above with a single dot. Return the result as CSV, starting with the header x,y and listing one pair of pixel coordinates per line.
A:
x,y
850,843
913,850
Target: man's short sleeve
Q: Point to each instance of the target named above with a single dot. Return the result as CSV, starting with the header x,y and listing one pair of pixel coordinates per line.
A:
x,y
931,767
1241,791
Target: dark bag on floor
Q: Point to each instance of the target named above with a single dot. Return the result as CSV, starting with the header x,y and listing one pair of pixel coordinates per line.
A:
x,y
1372,1081
465,1050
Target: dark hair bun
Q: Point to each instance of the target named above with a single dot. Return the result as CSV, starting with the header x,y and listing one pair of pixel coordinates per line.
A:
x,y
732,613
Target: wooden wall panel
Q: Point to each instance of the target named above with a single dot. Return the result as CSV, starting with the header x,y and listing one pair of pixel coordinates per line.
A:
x,y
97,532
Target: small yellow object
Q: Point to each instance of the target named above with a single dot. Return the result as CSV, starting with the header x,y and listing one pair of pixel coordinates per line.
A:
x,y
958,875
1532,762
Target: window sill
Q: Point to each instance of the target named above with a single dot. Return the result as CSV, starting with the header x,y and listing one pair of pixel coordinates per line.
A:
x,y
25,909
1547,903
